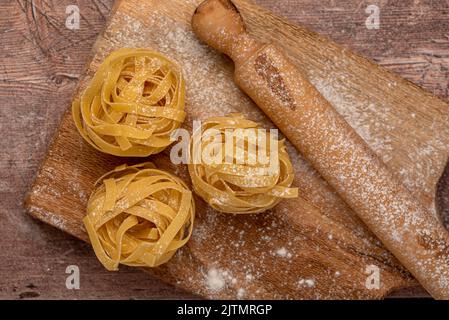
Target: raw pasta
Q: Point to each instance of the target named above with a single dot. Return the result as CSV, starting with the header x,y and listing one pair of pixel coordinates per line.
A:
x,y
132,104
139,216
230,186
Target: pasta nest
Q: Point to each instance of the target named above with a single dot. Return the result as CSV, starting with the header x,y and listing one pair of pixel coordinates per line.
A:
x,y
139,216
232,183
132,104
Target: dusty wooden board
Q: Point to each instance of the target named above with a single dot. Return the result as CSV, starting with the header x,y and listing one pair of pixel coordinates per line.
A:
x,y
328,244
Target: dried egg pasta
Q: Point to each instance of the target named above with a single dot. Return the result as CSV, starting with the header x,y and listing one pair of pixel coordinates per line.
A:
x,y
231,187
139,216
132,104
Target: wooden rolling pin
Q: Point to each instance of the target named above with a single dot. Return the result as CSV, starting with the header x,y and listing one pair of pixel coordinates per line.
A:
x,y
309,121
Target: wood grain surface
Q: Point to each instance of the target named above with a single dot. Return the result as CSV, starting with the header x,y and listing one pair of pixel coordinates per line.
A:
x,y
328,248
36,87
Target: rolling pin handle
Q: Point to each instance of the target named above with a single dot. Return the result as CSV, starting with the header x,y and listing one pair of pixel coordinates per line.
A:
x,y
219,24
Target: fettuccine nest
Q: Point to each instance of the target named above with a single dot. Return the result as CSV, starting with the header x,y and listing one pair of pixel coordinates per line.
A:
x,y
239,182
139,216
132,105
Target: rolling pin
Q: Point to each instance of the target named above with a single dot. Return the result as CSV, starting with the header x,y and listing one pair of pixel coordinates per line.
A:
x,y
414,235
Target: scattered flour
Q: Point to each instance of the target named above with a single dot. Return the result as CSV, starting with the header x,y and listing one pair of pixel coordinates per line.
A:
x,y
215,280
240,293
283,253
306,283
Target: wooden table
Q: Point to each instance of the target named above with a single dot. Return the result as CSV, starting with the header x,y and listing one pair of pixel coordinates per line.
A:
x,y
41,62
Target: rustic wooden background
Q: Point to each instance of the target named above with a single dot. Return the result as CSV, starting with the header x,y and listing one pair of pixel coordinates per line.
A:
x,y
41,62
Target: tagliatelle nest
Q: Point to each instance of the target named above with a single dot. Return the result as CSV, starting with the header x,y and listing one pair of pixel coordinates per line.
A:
x,y
239,182
139,216
132,104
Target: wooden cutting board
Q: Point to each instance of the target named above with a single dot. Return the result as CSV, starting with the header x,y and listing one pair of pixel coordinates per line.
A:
x,y
310,247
